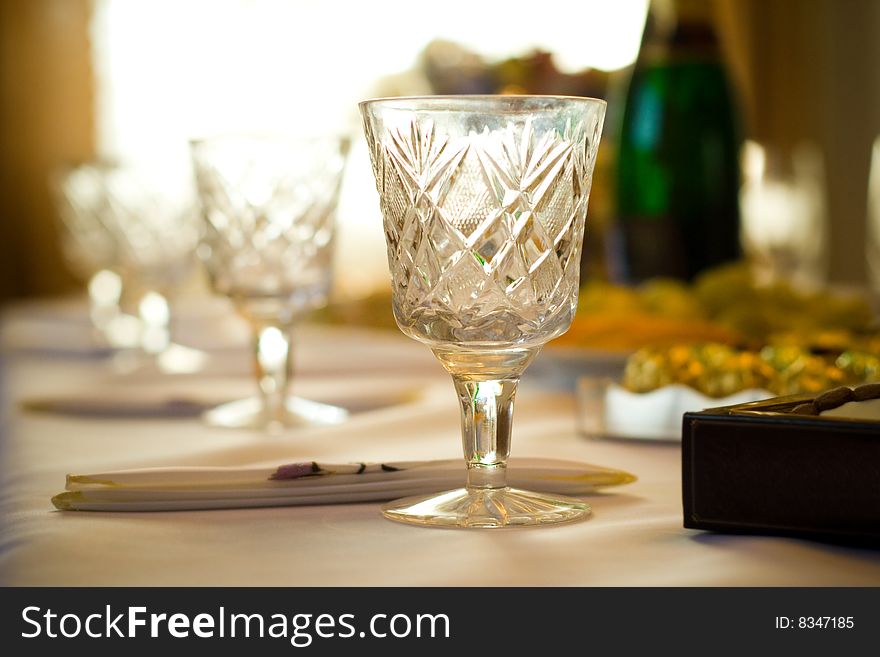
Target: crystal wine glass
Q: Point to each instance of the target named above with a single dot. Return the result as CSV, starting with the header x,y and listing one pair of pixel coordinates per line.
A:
x,y
484,200
872,228
784,218
89,248
133,235
269,211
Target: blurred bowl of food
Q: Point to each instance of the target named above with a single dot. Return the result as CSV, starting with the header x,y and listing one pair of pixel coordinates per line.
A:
x,y
639,357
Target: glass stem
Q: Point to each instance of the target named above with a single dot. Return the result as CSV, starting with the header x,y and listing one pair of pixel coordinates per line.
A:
x,y
486,419
105,292
155,315
274,366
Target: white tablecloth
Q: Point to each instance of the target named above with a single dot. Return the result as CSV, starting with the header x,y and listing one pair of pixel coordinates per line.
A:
x,y
635,536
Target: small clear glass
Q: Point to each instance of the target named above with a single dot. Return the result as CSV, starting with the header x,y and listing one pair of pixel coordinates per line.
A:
x,y
484,200
268,207
89,248
133,236
872,241
784,222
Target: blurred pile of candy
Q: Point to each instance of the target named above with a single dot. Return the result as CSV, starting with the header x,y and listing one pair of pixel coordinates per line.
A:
x,y
724,333
723,305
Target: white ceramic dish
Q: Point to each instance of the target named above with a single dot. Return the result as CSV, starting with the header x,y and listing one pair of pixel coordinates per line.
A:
x,y
607,410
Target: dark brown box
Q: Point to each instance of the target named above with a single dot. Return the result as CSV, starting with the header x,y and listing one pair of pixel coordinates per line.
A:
x,y
758,468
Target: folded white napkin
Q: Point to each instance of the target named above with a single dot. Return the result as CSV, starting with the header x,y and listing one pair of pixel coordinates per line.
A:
x,y
173,489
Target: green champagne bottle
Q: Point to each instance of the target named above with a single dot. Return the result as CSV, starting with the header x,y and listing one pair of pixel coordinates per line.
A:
x,y
678,167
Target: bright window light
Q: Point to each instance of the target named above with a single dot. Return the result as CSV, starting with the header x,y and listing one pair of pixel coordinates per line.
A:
x,y
171,70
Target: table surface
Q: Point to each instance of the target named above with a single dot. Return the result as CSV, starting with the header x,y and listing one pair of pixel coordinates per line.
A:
x,y
634,537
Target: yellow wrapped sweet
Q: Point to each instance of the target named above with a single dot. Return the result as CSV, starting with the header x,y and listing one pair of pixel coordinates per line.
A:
x,y
718,370
724,305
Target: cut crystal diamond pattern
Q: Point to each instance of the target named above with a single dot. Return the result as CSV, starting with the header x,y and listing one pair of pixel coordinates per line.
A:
x,y
122,218
269,218
484,230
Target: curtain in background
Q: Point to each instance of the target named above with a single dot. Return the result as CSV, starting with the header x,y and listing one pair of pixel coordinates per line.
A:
x,y
45,119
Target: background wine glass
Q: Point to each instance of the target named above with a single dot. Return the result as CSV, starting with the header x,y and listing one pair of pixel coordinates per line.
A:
x,y
133,236
784,226
268,205
484,200
90,250
872,241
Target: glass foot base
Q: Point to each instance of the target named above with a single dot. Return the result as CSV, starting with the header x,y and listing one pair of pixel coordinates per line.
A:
x,y
178,359
485,508
249,414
